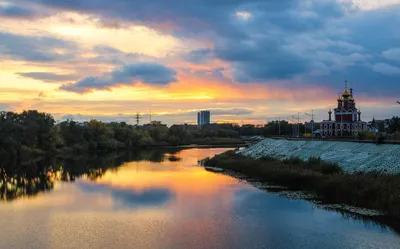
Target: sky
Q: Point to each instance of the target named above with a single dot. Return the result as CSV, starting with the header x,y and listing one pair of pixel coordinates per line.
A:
x,y
247,61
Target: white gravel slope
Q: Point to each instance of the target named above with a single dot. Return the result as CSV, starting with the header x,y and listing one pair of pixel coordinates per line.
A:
x,y
351,156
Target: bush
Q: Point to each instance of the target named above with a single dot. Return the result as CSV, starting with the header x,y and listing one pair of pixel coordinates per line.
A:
x,y
327,180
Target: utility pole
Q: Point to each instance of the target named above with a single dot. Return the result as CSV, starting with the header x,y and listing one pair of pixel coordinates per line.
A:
x,y
279,125
294,127
312,122
150,117
137,118
298,123
291,124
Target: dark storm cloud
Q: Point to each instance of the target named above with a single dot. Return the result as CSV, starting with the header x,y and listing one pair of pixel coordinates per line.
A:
x,y
217,16
261,61
34,48
17,12
317,41
145,72
254,46
49,77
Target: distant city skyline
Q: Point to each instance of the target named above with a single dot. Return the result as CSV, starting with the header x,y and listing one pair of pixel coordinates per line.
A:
x,y
246,61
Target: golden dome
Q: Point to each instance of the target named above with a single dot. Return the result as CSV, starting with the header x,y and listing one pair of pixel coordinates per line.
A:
x,y
351,98
346,94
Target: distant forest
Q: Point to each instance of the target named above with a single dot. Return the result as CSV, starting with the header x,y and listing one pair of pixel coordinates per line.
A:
x,y
32,132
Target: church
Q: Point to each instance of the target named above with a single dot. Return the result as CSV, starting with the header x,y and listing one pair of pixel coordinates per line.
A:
x,y
347,118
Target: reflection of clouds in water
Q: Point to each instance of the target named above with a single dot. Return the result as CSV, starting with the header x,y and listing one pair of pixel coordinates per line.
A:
x,y
258,201
130,198
287,223
149,197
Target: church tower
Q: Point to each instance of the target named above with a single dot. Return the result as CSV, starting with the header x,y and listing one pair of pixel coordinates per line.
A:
x,y
347,118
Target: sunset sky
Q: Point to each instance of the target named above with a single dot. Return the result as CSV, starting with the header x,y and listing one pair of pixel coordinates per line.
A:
x,y
248,61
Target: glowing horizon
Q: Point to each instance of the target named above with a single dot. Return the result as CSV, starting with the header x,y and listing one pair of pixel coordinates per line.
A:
x,y
86,61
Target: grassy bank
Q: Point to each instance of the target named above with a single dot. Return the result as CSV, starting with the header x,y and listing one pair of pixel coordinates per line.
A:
x,y
326,180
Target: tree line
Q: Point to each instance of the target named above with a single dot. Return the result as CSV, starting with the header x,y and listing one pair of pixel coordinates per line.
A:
x,y
36,132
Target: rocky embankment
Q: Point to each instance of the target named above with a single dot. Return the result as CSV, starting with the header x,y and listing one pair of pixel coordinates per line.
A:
x,y
351,156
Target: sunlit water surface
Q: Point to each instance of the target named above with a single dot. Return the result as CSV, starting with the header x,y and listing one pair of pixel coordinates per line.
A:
x,y
173,203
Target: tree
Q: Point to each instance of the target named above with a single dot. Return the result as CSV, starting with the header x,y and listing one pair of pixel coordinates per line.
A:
x,y
394,124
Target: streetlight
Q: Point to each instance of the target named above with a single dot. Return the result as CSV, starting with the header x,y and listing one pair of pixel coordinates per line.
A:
x,y
312,122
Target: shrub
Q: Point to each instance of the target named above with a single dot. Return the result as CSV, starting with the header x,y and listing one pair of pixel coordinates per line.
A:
x,y
327,180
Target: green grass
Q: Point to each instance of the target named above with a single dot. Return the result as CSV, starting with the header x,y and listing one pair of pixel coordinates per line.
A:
x,y
326,180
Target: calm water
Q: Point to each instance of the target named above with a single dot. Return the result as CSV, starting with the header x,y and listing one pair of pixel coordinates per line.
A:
x,y
162,200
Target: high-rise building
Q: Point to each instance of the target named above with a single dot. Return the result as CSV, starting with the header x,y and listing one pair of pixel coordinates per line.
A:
x,y
203,118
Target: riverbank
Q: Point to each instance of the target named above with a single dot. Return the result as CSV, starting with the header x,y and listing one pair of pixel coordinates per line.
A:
x,y
326,180
26,154
351,156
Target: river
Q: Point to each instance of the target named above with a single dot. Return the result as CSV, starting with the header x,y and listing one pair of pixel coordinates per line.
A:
x,y
162,199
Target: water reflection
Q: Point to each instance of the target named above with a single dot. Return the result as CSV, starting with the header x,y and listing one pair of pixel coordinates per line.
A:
x,y
130,197
32,177
129,201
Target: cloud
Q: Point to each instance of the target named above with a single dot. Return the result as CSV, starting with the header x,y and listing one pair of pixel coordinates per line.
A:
x,y
4,107
200,55
261,60
255,50
392,54
214,112
287,43
386,69
35,48
12,11
211,74
113,56
49,77
231,112
145,72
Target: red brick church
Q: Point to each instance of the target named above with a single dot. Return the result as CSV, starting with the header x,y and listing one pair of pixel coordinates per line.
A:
x,y
347,117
